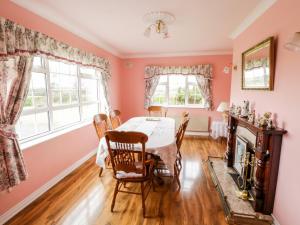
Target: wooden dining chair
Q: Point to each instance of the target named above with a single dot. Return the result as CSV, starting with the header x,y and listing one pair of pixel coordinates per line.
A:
x,y
161,168
126,167
179,138
115,119
185,114
100,122
155,110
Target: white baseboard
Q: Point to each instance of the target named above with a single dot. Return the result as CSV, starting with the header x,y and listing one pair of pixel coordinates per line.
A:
x,y
275,221
41,190
197,133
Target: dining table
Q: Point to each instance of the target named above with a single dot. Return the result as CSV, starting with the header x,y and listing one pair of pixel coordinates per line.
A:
x,y
161,139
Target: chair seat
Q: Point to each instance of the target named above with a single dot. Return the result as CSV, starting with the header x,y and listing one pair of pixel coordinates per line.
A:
x,y
122,174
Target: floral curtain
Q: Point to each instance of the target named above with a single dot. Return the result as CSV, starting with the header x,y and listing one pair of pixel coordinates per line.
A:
x,y
104,80
202,72
15,76
18,45
151,82
205,90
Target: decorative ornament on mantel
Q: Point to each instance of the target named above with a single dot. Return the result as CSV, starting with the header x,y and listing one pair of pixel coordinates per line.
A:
x,y
158,23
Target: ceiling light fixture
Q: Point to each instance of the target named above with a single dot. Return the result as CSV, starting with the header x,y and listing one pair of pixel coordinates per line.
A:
x,y
158,23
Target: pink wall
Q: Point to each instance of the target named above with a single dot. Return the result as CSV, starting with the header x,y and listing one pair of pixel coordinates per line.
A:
x,y
48,159
281,21
133,85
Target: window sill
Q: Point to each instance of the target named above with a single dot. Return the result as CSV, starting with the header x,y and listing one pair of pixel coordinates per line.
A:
x,y
30,143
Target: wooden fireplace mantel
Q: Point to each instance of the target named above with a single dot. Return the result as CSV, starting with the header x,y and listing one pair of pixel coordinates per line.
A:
x,y
267,156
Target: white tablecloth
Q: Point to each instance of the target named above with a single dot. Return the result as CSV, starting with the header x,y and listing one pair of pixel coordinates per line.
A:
x,y
161,139
218,129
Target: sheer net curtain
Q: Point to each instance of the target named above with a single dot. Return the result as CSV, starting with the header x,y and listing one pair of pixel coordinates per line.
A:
x,y
18,46
203,74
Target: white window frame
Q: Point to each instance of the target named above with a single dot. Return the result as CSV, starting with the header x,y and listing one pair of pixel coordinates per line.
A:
x,y
52,132
186,104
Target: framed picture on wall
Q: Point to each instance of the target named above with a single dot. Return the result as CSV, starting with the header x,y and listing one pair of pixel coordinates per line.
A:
x,y
258,66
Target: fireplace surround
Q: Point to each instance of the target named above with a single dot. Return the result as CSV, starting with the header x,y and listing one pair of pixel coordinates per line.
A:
x,y
265,145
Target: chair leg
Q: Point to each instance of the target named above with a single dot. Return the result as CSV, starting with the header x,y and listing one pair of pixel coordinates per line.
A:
x,y
176,176
152,183
143,199
107,160
100,172
179,153
115,195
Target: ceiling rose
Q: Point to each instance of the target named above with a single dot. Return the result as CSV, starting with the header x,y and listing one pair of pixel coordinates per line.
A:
x,y
158,23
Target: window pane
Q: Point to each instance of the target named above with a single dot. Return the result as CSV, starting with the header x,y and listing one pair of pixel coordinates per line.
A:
x,y
64,89
89,90
30,125
176,90
63,117
37,94
194,95
192,79
163,78
87,71
62,68
159,96
88,111
37,61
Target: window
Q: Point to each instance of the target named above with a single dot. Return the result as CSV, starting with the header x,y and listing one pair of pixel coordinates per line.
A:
x,y
178,90
60,94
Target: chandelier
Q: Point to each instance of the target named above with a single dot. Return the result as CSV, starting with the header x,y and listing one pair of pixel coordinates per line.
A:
x,y
158,23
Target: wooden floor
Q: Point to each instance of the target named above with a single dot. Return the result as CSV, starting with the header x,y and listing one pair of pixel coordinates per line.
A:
x,y
84,198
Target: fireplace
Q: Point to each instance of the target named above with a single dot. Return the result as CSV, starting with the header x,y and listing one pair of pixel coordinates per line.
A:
x,y
254,154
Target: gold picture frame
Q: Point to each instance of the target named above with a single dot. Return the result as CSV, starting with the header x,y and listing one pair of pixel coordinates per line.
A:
x,y
258,66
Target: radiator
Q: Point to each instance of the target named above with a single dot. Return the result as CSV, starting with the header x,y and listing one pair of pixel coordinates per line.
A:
x,y
198,124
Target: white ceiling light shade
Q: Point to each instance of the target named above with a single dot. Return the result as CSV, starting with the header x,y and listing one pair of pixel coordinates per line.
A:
x,y
158,23
294,44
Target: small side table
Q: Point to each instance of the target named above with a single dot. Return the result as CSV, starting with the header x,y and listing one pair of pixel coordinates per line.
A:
x,y
218,129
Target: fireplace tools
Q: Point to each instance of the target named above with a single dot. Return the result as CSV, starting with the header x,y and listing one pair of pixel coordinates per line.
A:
x,y
246,177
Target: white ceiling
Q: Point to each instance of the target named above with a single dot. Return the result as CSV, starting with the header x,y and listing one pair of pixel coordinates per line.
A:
x,y
201,26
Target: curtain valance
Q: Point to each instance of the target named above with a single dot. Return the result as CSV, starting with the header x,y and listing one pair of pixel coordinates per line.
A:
x,y
17,40
204,70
